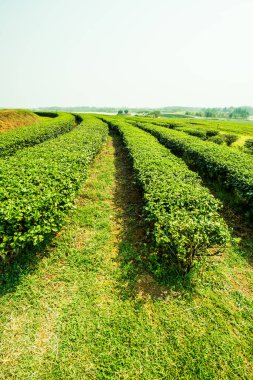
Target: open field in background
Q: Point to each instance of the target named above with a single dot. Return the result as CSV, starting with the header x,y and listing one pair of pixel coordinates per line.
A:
x,y
243,130
226,126
95,299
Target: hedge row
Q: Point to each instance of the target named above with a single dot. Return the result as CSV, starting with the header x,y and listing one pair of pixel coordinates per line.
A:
x,y
197,130
201,132
30,135
38,184
182,215
234,170
202,128
194,132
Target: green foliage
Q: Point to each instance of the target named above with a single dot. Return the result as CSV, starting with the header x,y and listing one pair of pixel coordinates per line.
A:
x,y
46,114
38,184
120,112
230,139
211,133
216,139
192,131
232,112
217,126
239,113
210,112
31,135
200,134
85,309
195,129
174,115
249,144
234,170
182,214
155,113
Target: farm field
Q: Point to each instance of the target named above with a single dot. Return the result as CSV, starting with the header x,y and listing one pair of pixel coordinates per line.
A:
x,y
231,169
126,252
242,130
226,126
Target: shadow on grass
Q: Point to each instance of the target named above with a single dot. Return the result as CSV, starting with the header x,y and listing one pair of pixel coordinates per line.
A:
x,y
142,270
14,268
240,225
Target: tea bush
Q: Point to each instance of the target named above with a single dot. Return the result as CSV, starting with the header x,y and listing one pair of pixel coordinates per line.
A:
x,y
31,135
233,169
182,215
38,185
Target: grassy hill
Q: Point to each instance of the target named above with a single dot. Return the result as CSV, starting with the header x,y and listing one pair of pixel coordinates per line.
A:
x,y
11,119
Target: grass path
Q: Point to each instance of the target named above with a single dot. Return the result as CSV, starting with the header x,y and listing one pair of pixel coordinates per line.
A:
x,y
85,308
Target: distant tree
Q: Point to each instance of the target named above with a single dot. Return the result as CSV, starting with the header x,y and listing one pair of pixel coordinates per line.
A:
x,y
120,112
155,113
239,113
210,112
126,112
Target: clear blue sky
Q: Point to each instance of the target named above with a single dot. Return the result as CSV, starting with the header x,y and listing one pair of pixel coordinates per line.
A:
x,y
126,52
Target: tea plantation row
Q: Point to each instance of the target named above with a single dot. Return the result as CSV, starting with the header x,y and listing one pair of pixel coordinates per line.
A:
x,y
38,184
193,129
30,135
182,215
232,169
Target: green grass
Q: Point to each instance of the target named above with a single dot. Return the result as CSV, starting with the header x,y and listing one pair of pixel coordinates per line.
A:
x,y
88,307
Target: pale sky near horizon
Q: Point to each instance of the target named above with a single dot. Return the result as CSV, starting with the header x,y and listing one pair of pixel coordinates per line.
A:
x,y
134,53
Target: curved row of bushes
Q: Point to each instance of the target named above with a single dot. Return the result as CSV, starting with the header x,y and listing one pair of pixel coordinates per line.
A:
x,y
210,135
182,214
31,135
38,184
203,133
234,170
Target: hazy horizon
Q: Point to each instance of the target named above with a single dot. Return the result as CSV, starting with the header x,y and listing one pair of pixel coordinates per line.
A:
x,y
144,107
118,53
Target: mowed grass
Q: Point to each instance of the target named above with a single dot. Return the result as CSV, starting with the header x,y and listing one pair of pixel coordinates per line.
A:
x,y
92,306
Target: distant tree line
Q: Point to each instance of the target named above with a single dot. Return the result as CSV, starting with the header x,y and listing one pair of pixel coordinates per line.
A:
x,y
226,112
